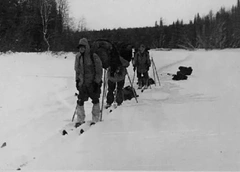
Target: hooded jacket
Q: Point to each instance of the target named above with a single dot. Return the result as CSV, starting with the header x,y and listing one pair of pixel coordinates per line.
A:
x,y
142,62
88,70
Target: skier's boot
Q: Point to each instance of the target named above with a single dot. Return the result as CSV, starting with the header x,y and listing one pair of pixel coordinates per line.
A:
x,y
80,116
140,84
95,112
119,104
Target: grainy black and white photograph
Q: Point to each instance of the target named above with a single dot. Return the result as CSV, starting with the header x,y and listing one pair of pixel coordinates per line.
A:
x,y
120,85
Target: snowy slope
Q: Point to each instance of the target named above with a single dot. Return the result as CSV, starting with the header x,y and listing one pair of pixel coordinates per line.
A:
x,y
180,125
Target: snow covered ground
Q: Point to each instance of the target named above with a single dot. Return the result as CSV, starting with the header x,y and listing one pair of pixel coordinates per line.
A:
x,y
180,125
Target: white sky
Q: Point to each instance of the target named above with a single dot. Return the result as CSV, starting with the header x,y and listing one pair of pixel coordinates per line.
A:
x,y
111,14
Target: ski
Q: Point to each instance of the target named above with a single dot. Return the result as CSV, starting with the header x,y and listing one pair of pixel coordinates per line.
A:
x,y
144,88
68,128
86,126
82,127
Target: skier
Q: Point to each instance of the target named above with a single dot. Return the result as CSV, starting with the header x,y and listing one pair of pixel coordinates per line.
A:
x,y
88,68
142,62
116,80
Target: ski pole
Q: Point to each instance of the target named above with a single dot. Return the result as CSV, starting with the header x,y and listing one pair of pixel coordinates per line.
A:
x,y
156,72
153,72
133,76
148,83
74,114
132,87
103,95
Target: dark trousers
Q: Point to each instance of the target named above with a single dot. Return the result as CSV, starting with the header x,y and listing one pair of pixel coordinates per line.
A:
x,y
142,78
111,87
87,91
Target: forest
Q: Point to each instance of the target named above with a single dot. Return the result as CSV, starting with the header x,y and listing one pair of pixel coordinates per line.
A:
x,y
44,25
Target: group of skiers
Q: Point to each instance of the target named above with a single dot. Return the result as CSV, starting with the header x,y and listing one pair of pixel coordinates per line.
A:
x,y
88,69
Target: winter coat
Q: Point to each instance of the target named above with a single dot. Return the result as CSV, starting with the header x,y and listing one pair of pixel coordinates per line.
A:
x,y
121,72
142,62
88,70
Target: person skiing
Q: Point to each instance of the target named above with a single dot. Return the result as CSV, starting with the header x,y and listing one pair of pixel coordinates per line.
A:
x,y
88,68
141,63
116,81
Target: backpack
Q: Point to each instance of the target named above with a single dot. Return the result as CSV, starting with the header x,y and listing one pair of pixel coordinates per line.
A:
x,y
125,50
107,52
110,53
129,92
185,70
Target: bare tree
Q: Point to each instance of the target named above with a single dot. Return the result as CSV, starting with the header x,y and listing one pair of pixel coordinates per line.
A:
x,y
82,24
63,8
45,11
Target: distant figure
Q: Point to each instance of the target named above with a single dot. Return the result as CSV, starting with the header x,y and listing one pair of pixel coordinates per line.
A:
x,y
141,63
88,68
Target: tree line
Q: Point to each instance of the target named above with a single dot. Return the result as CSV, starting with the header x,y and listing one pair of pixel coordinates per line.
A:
x,y
44,25
34,25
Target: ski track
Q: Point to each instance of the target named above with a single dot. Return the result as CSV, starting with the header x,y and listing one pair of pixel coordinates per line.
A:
x,y
175,63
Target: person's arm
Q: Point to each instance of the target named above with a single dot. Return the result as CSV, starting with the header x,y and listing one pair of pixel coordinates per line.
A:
x,y
77,67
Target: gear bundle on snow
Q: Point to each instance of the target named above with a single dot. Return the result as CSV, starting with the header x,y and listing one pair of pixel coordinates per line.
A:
x,y
129,92
182,74
185,70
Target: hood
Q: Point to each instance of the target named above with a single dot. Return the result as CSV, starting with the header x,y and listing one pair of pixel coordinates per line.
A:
x,y
84,42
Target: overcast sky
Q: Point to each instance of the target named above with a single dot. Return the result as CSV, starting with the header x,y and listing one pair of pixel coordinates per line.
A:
x,y
111,14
